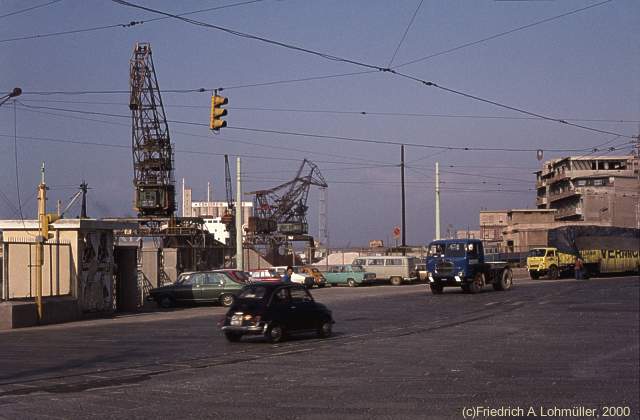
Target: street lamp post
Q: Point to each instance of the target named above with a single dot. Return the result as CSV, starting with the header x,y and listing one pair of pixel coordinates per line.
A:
x,y
15,92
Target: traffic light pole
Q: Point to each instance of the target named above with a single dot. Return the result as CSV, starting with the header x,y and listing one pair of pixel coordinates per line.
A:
x,y
40,238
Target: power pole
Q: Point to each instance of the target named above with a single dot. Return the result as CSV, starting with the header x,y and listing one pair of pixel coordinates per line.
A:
x,y
437,201
404,230
239,250
40,239
83,210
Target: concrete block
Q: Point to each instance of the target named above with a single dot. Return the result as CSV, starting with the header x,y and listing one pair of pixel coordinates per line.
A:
x,y
17,315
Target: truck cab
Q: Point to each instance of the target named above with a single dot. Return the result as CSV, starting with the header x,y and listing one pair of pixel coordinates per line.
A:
x,y
548,261
461,263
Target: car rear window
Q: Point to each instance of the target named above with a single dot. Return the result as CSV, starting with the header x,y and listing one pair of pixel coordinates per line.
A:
x,y
257,292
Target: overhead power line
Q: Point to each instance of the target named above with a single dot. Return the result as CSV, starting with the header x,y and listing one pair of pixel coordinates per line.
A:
x,y
406,31
29,8
119,25
365,65
501,34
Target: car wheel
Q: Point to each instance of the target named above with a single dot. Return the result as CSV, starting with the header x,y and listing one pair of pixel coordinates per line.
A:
x,y
506,280
553,272
534,275
324,329
351,282
165,301
396,281
436,289
308,283
275,333
321,285
232,337
477,284
226,300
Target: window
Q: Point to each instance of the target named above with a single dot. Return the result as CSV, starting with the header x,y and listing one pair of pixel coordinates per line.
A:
x,y
551,253
355,269
472,251
437,249
375,261
215,278
300,295
253,293
197,278
281,296
598,182
393,261
359,261
455,249
581,182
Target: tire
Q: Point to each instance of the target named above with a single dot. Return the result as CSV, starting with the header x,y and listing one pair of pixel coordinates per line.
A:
x,y
506,280
436,289
232,337
321,285
396,281
165,302
477,284
534,275
351,283
553,273
275,333
226,299
325,329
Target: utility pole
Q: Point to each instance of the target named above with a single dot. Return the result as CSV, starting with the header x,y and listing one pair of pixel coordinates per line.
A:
x,y
404,230
239,250
83,210
437,201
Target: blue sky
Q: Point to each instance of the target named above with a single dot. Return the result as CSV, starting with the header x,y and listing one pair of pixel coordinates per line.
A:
x,y
582,66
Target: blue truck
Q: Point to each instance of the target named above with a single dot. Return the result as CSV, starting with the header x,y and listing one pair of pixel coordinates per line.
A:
x,y
461,263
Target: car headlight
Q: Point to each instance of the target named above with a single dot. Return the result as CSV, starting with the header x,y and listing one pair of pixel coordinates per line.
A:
x,y
461,273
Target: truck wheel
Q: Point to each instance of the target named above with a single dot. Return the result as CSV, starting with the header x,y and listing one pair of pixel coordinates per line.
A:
x,y
436,289
534,275
506,280
553,272
477,284
351,282
396,281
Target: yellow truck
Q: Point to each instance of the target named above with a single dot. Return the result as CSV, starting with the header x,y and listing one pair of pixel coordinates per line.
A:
x,y
603,250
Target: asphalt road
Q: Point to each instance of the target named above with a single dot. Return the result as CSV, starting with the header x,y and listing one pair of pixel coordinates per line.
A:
x,y
397,352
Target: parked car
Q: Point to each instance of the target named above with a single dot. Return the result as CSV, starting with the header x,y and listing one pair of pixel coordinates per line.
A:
x,y
265,275
216,286
318,278
396,268
275,310
351,275
298,276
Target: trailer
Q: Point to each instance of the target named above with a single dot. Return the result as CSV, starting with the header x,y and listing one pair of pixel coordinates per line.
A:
x,y
604,250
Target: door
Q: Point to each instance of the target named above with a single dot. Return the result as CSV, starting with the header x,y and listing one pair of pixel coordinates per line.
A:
x,y
304,309
212,286
281,308
189,289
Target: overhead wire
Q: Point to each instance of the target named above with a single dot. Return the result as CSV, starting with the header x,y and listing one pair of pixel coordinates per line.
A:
x,y
121,25
501,34
406,31
363,64
17,12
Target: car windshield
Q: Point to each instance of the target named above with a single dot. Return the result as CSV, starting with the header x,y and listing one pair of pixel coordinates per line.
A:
x,y
455,249
183,278
537,253
357,268
256,292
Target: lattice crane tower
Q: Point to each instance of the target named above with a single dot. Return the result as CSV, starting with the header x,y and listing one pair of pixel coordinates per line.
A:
x,y
152,151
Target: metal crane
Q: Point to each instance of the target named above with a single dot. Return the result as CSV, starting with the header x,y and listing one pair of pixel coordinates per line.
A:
x,y
152,150
228,217
283,209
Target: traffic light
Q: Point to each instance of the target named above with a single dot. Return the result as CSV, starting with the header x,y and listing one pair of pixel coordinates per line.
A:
x,y
47,220
217,111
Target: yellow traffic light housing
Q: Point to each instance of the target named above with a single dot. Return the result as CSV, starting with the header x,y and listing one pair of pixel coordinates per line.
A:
x,y
216,123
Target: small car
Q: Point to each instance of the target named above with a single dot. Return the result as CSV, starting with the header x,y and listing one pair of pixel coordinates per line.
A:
x,y
351,275
318,277
265,275
275,310
215,286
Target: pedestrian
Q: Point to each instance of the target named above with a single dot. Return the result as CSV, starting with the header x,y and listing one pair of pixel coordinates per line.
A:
x,y
287,275
579,268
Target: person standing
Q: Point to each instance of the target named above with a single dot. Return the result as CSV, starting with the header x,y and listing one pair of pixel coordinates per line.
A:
x,y
579,268
287,275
